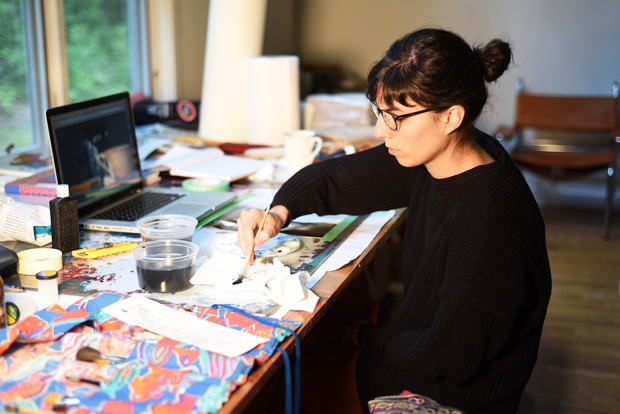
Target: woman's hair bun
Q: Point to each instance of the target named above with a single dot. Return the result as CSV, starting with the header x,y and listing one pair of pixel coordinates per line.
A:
x,y
493,58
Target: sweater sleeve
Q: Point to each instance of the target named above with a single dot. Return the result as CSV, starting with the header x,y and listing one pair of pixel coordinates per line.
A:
x,y
371,180
482,296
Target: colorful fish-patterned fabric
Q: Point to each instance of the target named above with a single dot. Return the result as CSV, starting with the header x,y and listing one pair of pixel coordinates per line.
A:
x,y
409,403
39,368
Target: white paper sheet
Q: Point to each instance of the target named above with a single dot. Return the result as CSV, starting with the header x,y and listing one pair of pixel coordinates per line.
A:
x,y
181,156
182,326
354,245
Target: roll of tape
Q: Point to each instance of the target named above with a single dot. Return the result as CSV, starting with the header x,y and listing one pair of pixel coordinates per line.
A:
x,y
33,261
206,184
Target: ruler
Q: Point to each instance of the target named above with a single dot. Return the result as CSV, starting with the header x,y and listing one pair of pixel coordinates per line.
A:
x,y
330,242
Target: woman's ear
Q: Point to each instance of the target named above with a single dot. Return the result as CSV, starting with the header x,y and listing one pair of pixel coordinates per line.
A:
x,y
453,118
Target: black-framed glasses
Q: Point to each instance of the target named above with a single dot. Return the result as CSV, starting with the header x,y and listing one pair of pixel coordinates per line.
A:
x,y
392,120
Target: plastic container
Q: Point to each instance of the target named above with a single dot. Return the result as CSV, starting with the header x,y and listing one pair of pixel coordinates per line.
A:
x,y
47,285
167,227
165,266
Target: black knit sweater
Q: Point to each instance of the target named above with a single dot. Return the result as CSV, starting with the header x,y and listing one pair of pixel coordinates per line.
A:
x,y
475,269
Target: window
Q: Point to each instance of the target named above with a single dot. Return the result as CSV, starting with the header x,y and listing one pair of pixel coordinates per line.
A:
x,y
22,94
99,47
92,48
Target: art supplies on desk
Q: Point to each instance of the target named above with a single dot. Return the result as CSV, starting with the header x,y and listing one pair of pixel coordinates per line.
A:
x,y
207,163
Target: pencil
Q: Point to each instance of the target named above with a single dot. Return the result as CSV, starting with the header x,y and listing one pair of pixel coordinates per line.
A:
x,y
27,410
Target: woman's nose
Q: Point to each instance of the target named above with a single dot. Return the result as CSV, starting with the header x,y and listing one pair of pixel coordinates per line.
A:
x,y
381,129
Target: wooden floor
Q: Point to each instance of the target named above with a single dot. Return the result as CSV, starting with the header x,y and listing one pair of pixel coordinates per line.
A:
x,y
578,368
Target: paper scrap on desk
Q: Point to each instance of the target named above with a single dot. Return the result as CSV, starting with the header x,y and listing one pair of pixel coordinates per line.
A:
x,y
181,156
182,326
289,291
354,245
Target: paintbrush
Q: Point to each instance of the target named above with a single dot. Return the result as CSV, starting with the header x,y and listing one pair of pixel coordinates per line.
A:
x,y
59,402
247,259
93,381
89,354
27,410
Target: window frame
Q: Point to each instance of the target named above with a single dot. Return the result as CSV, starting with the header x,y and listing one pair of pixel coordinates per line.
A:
x,y
35,62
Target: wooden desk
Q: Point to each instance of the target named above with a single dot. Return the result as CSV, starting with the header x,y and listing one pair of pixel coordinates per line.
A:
x,y
329,288
258,389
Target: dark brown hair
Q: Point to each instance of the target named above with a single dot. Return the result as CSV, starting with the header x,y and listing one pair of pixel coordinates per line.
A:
x,y
438,69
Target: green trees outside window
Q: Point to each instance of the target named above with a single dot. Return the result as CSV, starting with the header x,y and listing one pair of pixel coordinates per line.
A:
x,y
98,55
15,116
97,48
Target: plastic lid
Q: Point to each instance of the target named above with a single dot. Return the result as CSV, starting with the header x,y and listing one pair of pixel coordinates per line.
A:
x,y
47,274
62,190
167,226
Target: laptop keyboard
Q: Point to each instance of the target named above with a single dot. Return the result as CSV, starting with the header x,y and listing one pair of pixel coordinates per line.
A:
x,y
137,207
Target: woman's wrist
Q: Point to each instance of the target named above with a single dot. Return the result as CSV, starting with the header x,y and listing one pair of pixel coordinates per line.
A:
x,y
281,212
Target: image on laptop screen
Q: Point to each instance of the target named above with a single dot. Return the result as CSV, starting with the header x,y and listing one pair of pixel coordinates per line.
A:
x,y
95,150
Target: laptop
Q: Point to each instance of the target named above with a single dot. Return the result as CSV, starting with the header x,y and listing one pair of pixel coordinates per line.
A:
x,y
95,151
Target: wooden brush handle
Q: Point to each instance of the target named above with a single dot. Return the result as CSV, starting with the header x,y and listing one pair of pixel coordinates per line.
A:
x,y
260,227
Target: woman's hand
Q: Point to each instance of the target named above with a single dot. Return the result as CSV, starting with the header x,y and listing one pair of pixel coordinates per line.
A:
x,y
248,224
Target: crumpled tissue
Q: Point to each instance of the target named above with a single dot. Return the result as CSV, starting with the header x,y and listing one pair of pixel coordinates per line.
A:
x,y
267,275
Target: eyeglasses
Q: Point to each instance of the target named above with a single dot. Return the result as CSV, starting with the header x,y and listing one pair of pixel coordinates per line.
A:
x,y
391,120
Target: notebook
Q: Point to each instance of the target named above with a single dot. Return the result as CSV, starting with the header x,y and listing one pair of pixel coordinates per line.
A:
x,y
94,150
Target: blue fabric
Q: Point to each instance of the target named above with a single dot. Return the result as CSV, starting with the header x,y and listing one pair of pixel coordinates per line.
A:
x,y
275,322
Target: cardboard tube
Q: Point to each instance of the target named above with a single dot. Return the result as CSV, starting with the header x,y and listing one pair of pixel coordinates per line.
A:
x,y
273,98
235,32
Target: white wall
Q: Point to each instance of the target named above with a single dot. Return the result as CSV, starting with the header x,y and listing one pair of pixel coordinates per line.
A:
x,y
559,46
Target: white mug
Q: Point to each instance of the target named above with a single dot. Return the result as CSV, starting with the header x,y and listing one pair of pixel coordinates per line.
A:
x,y
300,148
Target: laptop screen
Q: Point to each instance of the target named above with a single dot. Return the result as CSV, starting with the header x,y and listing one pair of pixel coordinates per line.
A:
x,y
94,148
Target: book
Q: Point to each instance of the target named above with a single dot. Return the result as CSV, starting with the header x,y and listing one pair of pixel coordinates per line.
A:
x,y
41,184
206,163
26,163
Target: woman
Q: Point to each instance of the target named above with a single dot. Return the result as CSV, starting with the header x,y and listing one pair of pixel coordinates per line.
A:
x,y
475,268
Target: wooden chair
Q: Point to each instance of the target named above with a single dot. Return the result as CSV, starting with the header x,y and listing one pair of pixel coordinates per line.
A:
x,y
573,146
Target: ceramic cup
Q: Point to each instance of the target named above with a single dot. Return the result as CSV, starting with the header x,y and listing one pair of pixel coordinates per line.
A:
x,y
300,148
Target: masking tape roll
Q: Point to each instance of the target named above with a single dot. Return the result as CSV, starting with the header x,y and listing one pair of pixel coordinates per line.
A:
x,y
206,184
34,261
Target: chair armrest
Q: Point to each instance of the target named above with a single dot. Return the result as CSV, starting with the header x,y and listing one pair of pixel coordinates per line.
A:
x,y
504,132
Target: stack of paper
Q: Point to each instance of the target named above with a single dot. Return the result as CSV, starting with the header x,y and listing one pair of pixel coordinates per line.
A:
x,y
206,163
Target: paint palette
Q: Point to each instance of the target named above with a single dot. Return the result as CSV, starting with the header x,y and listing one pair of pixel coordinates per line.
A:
x,y
280,245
